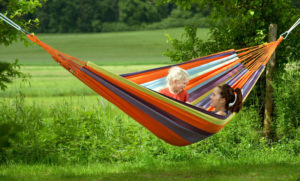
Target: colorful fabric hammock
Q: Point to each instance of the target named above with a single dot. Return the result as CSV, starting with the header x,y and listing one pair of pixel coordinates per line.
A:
x,y
173,121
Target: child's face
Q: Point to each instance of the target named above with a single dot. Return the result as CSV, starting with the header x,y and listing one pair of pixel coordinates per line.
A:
x,y
216,100
179,85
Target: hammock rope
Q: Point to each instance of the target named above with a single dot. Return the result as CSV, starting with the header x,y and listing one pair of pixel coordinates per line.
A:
x,y
13,24
292,27
173,121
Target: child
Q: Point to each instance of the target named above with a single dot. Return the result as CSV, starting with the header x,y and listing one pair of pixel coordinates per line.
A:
x,y
225,99
177,80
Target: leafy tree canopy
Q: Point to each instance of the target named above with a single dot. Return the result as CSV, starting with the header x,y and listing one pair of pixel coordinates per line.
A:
x,y
19,12
238,24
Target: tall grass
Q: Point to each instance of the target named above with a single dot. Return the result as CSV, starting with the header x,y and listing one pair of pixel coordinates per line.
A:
x,y
75,132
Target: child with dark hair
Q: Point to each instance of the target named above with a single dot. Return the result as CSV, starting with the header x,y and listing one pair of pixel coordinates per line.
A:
x,y
225,99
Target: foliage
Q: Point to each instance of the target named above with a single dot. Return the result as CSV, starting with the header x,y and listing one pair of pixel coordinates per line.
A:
x,y
181,18
9,71
186,4
287,110
115,27
9,132
134,12
189,47
239,24
73,16
15,10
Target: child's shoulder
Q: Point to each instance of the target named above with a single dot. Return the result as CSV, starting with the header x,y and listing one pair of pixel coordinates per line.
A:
x,y
184,92
165,90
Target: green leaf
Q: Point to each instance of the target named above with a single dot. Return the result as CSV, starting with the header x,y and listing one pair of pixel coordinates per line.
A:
x,y
251,12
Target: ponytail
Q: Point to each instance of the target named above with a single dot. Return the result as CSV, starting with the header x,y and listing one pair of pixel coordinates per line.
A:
x,y
238,104
234,98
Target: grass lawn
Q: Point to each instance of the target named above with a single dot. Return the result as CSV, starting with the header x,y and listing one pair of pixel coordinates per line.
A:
x,y
157,170
118,48
118,52
55,81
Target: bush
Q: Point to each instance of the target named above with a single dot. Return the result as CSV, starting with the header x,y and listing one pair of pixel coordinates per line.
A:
x,y
286,120
115,26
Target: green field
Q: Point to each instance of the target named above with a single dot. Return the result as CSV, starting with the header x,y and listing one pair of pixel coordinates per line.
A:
x,y
126,48
55,81
119,53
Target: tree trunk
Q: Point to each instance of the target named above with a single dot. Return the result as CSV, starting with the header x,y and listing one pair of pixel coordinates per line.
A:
x,y
117,10
269,82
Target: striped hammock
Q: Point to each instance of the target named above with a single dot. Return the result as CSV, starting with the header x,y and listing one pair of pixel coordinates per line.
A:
x,y
175,122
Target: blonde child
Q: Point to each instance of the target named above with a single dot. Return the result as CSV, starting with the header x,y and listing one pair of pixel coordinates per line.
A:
x,y
177,80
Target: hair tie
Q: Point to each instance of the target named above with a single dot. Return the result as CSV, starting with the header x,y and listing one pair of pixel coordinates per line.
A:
x,y
232,103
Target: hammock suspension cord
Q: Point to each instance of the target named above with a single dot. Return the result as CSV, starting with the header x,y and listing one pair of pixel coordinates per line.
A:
x,y
13,24
288,31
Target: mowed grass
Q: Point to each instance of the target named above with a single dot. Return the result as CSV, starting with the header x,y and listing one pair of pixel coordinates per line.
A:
x,y
119,52
54,81
118,48
154,170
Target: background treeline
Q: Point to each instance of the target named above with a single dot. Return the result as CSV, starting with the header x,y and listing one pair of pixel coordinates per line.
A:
x,y
72,16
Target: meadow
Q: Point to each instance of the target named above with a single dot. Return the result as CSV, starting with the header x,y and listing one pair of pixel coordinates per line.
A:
x,y
126,48
70,133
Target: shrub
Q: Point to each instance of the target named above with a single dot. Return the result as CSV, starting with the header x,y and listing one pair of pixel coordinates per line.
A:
x,y
115,26
286,120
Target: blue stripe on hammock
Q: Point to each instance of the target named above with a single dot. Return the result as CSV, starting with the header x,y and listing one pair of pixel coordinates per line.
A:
x,y
163,81
212,78
251,81
197,59
213,82
205,103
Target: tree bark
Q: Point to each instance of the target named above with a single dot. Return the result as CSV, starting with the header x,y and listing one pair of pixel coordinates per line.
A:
x,y
269,81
